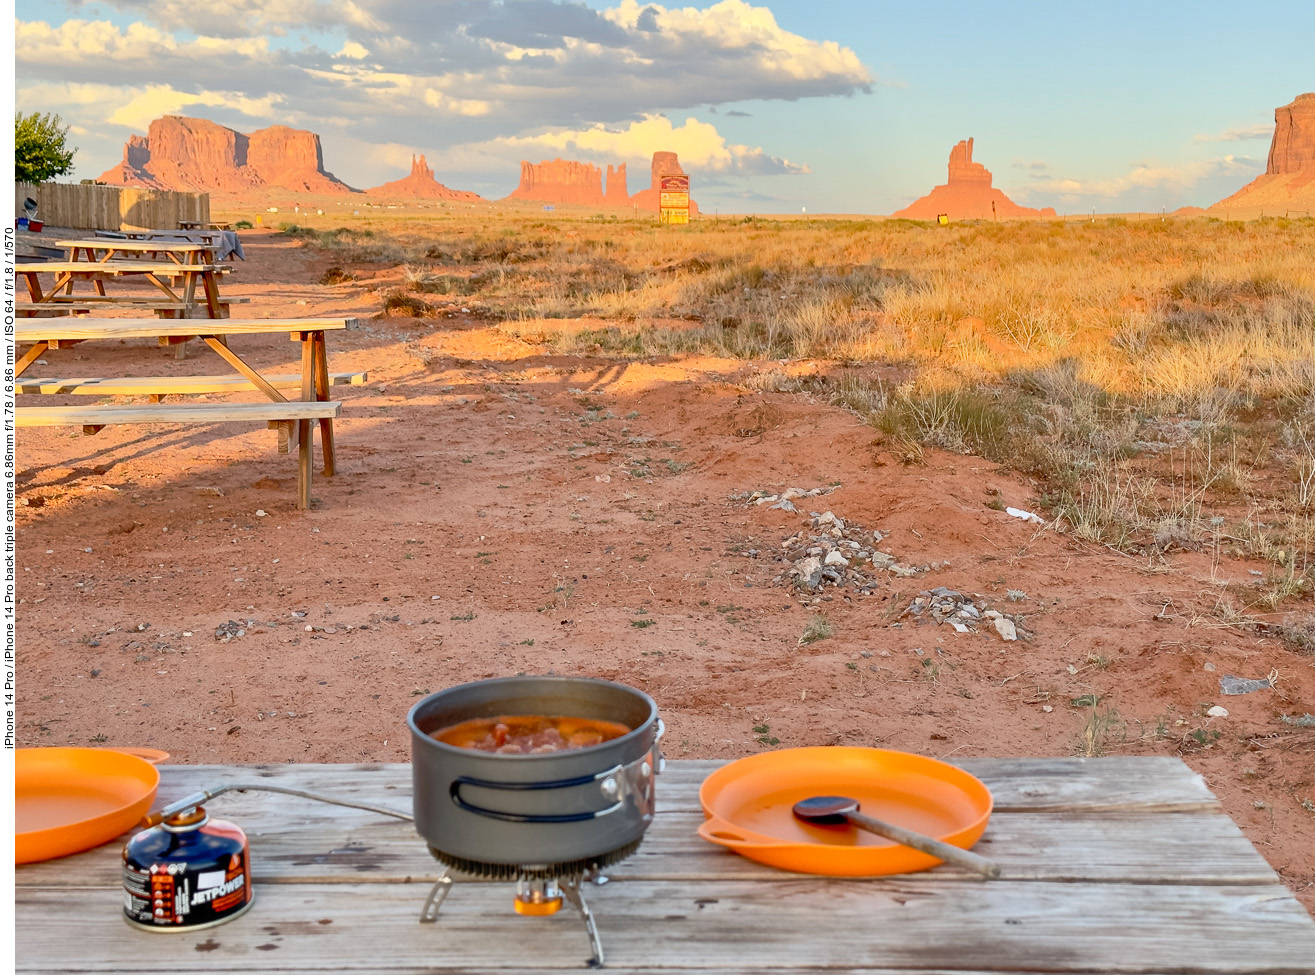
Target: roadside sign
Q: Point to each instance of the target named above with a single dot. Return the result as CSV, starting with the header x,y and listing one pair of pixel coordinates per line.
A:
x,y
673,199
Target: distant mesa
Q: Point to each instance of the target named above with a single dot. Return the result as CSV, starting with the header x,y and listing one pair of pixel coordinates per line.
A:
x,y
569,181
968,194
195,154
421,185
1289,179
560,181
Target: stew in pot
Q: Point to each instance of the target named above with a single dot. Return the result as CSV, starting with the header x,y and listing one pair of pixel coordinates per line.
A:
x,y
532,734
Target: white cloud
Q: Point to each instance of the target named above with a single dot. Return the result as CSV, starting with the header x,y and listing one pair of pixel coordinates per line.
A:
x,y
1261,131
150,103
1143,176
82,40
448,72
733,25
698,144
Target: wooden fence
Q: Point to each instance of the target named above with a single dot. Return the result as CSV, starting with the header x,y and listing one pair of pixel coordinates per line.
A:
x,y
86,206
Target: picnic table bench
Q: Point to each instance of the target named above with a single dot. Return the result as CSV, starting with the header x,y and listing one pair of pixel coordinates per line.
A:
x,y
1121,865
291,417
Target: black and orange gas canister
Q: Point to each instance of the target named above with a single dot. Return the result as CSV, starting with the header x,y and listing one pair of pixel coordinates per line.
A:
x,y
187,872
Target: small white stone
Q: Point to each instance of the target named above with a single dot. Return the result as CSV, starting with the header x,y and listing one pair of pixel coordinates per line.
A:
x,y
1217,712
1008,632
260,513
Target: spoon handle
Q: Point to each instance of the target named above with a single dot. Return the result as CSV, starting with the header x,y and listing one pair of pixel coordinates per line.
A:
x,y
926,844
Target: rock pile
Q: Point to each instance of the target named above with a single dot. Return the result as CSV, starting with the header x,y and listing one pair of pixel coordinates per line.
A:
x,y
942,605
829,549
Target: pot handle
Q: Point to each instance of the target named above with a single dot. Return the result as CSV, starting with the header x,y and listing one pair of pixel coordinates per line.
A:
x,y
610,788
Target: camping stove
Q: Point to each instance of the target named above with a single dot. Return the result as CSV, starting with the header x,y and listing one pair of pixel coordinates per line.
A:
x,y
541,888
547,821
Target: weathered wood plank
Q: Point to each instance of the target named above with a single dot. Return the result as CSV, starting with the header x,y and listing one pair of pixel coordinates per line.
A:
x,y
1036,785
32,330
51,416
808,923
169,385
305,842
113,268
614,969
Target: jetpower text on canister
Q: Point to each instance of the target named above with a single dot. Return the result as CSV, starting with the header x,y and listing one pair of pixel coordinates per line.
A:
x,y
189,872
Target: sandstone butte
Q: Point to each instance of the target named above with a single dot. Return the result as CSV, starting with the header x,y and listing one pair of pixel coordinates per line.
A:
x,y
421,185
968,194
560,181
197,154
568,181
1288,182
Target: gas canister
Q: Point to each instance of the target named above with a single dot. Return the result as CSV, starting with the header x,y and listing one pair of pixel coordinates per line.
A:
x,y
189,872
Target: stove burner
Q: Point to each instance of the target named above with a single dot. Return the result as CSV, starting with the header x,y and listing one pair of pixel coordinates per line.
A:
x,y
548,871
540,886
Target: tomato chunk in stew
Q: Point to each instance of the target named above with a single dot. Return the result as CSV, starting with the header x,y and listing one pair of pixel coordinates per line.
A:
x,y
529,734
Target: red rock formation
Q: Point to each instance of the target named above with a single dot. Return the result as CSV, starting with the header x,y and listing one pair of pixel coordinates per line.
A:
x,y
1293,148
421,185
1288,183
664,164
197,154
616,195
132,171
560,181
968,194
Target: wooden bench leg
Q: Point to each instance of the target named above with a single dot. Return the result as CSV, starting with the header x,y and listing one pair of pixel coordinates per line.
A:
x,y
303,464
32,355
322,394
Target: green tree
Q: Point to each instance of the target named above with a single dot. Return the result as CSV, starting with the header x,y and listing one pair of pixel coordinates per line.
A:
x,y
40,153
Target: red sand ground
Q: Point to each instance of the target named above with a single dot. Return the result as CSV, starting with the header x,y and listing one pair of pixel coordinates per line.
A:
x,y
487,520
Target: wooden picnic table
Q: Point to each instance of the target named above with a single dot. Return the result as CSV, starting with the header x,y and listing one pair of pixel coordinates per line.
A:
x,y
192,276
1121,865
204,225
45,334
101,249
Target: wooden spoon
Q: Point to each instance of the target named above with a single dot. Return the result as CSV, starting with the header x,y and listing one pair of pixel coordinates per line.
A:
x,y
843,811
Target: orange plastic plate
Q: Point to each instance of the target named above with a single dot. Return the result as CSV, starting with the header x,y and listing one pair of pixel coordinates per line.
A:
x,y
748,804
70,799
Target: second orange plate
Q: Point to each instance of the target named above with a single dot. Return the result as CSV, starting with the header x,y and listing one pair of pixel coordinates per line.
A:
x,y
748,804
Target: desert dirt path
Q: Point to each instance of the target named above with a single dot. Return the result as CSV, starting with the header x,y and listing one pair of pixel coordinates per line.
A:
x,y
500,510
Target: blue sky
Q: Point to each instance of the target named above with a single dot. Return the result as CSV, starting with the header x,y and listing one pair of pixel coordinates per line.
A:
x,y
773,105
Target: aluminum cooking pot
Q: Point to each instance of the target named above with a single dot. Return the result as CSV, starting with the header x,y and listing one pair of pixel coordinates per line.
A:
x,y
566,807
